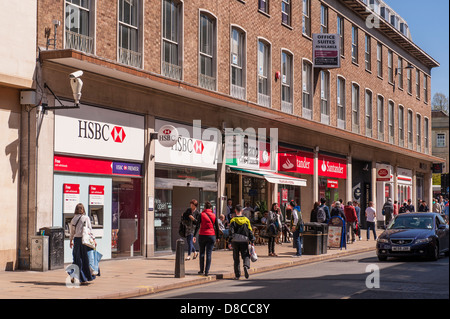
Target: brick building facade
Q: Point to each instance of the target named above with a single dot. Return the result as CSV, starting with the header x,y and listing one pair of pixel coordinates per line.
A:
x,y
230,64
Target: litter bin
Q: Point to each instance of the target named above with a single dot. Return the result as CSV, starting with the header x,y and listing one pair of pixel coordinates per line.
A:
x,y
312,239
55,246
39,253
324,230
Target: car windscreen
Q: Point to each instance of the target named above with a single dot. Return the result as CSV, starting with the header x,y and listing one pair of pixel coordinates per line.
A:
x,y
412,222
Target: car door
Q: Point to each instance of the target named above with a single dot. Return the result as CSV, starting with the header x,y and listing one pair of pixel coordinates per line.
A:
x,y
442,231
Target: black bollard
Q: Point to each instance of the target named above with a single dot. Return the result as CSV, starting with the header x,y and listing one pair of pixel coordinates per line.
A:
x,y
179,259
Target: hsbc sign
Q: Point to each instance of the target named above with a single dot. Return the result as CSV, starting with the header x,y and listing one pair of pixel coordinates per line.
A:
x,y
99,132
187,148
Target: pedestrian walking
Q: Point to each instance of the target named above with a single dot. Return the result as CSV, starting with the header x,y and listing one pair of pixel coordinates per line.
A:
x,y
388,211
358,217
337,210
297,227
189,220
241,235
208,232
351,219
273,227
80,251
437,208
314,212
395,208
423,207
410,207
371,219
323,205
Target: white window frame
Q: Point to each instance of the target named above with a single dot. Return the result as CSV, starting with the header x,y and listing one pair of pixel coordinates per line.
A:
x,y
368,107
340,102
425,88
400,72
356,91
354,44
325,97
208,81
401,125
391,121
441,140
409,79
173,69
340,31
368,52
286,12
418,83
75,39
380,117
379,60
410,128
287,81
390,66
238,62
307,80
263,75
426,134
306,18
323,19
418,132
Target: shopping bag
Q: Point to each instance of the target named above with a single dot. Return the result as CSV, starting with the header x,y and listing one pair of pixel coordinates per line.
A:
x,y
252,251
94,259
87,238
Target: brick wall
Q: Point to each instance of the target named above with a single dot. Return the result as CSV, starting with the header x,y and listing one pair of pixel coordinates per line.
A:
x,y
245,14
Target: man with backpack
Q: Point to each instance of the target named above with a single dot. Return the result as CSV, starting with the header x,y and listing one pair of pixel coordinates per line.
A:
x,y
325,209
241,234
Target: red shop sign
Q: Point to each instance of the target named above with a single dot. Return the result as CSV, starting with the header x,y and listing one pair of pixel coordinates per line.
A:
x,y
264,156
82,165
332,183
71,189
295,161
332,167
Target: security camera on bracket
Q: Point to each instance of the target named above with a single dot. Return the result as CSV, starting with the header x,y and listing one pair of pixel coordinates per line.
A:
x,y
76,85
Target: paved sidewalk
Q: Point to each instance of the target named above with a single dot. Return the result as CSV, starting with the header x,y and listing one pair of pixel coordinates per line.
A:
x,y
125,278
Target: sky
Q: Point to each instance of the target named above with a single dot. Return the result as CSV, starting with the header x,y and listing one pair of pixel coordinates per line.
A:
x,y
429,25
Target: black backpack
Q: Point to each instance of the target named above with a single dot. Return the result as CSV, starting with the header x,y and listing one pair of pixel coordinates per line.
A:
x,y
182,229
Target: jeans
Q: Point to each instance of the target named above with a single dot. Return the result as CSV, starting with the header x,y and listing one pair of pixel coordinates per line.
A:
x,y
351,228
298,242
271,245
371,225
190,242
206,244
240,247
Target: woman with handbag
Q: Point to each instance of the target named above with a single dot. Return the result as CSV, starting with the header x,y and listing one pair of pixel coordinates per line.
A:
x,y
209,231
79,226
189,220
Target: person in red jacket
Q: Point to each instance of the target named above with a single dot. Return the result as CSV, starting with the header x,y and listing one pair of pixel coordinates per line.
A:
x,y
351,220
208,232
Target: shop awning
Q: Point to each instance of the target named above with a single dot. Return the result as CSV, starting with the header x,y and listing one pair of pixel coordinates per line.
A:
x,y
271,177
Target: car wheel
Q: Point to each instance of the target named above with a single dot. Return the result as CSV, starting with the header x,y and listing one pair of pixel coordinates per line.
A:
x,y
435,255
382,258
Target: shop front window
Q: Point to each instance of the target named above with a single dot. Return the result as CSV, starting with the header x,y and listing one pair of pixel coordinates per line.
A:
x,y
126,217
163,217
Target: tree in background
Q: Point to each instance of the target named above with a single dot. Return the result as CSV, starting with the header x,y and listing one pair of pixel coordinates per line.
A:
x,y
440,102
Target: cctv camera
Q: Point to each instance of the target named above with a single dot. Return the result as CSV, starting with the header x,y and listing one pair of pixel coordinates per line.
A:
x,y
76,74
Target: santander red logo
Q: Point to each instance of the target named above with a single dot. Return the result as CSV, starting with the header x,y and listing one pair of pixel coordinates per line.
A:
x,y
118,134
198,147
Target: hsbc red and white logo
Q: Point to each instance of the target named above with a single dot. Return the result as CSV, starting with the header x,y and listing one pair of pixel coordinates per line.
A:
x,y
97,131
118,134
198,147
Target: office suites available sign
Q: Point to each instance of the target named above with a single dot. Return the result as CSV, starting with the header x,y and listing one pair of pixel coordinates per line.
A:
x,y
326,50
